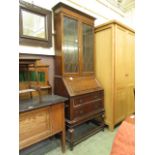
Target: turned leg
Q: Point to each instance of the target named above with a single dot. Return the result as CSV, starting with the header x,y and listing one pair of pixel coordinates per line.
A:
x,y
71,132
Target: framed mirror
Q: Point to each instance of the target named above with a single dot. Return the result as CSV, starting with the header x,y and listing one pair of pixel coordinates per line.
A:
x,y
34,25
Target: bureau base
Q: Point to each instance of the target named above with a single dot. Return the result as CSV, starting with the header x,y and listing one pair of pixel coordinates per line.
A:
x,y
79,132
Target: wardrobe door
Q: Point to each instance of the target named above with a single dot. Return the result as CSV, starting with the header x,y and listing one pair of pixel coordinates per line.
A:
x,y
121,72
104,70
120,75
130,78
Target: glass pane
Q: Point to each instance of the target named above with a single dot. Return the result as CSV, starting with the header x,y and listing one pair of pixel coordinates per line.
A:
x,y
23,76
41,76
33,24
70,46
32,76
88,48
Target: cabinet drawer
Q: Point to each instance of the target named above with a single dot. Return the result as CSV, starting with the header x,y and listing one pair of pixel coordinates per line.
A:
x,y
85,99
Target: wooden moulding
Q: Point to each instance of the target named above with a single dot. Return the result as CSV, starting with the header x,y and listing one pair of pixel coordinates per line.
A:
x,y
61,7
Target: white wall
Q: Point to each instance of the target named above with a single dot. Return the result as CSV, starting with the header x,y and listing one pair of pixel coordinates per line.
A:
x,y
130,18
40,50
102,13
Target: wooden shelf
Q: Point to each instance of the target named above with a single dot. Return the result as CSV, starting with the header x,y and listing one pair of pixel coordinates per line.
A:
x,y
27,61
45,87
26,91
41,87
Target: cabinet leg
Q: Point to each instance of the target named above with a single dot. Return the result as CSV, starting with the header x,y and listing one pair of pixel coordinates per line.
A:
x,y
63,141
71,132
111,128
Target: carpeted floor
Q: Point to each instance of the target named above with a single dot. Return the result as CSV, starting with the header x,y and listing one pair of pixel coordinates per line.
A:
x,y
99,144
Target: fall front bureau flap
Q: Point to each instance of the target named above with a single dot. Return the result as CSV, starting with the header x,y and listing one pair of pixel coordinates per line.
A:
x,y
81,85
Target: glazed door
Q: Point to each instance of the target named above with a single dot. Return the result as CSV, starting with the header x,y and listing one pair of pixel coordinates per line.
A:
x,y
87,48
70,45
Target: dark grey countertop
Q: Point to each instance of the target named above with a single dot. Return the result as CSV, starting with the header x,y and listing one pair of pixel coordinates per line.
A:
x,y
31,104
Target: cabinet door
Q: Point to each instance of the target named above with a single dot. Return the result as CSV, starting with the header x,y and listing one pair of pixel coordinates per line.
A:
x,y
87,48
70,45
34,126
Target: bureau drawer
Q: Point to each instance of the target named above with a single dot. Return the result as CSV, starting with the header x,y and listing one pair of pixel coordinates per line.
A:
x,y
85,99
88,109
97,106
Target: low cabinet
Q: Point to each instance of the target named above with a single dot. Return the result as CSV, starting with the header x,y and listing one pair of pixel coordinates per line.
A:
x,y
39,124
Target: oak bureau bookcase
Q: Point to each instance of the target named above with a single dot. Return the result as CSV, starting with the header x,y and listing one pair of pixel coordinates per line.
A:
x,y
74,71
